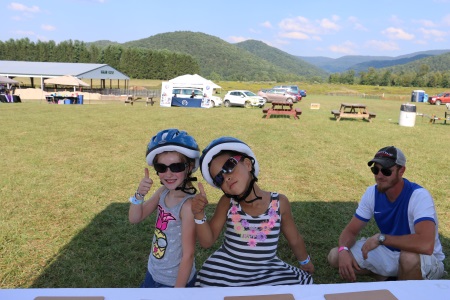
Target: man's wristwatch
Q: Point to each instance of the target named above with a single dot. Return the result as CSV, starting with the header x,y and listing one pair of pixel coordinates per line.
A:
x,y
381,239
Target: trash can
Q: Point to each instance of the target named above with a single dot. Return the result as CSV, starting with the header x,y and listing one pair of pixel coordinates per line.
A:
x,y
67,101
407,115
80,99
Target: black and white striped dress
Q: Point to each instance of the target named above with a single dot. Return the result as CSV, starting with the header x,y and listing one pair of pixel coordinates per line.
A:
x,y
248,255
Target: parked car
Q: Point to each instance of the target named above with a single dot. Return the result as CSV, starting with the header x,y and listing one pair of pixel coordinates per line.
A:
x,y
243,98
292,88
198,94
440,98
280,95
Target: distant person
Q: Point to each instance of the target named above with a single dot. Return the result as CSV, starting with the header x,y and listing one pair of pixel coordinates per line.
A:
x,y
174,155
407,246
192,95
253,220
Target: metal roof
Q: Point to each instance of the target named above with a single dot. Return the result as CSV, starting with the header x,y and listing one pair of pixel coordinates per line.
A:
x,y
52,69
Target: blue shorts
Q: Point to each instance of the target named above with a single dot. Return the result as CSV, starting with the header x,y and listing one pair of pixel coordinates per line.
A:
x,y
150,283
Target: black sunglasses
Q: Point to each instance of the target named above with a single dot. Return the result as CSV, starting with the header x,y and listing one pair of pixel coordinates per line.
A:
x,y
385,171
175,168
227,168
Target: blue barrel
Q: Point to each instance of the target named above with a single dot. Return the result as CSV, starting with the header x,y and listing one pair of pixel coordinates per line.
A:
x,y
67,101
80,99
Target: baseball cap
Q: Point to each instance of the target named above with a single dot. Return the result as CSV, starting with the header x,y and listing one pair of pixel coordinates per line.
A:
x,y
388,157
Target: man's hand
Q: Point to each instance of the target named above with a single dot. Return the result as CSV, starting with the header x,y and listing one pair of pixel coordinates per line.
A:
x,y
370,244
347,266
199,203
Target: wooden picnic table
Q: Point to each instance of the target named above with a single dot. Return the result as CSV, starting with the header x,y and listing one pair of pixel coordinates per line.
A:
x,y
282,108
353,110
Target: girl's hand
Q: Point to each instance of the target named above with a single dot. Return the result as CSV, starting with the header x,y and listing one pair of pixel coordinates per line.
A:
x,y
309,267
145,184
199,203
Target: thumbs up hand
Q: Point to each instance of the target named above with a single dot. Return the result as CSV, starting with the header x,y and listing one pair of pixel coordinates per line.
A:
x,y
145,184
199,203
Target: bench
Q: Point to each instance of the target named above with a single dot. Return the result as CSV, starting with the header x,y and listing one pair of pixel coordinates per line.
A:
x,y
298,111
131,100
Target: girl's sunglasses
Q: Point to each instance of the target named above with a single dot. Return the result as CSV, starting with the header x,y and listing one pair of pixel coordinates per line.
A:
x,y
227,168
385,171
175,168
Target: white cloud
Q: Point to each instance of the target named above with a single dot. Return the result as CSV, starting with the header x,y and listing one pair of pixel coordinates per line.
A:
x,y
397,34
237,39
356,24
437,35
426,23
301,28
382,45
25,33
396,20
295,35
345,48
48,27
266,24
23,8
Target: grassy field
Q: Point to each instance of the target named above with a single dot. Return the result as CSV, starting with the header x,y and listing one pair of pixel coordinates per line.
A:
x,y
67,172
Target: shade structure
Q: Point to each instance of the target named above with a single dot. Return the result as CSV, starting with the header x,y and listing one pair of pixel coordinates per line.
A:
x,y
7,80
66,80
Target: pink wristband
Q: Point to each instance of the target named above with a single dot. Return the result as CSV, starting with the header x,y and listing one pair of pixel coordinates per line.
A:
x,y
342,249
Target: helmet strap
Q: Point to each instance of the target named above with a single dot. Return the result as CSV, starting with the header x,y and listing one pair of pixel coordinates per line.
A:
x,y
251,187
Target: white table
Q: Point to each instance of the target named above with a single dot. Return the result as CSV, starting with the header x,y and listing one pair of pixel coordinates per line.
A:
x,y
407,290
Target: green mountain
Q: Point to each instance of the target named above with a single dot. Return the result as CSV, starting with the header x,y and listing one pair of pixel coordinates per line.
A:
x,y
219,59
436,63
282,59
362,63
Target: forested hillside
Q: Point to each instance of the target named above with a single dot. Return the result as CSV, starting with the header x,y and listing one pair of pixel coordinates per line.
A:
x,y
281,59
221,60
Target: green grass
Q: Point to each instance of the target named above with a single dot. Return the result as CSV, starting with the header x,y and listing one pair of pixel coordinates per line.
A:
x,y
67,172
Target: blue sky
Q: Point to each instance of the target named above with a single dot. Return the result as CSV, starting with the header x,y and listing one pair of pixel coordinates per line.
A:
x,y
331,28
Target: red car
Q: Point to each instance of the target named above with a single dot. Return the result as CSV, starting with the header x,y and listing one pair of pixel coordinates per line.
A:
x,y
440,98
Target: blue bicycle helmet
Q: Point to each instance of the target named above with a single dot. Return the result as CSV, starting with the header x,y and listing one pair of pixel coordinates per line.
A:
x,y
173,140
225,143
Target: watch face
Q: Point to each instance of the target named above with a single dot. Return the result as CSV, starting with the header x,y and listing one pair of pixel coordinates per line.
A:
x,y
381,238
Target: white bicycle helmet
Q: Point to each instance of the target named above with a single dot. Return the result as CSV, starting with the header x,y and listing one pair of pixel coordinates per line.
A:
x,y
224,143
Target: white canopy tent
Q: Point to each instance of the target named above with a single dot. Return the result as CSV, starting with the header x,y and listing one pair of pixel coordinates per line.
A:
x,y
66,80
195,80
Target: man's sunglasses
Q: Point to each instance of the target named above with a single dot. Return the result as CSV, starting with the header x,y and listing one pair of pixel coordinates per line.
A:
x,y
175,168
385,171
227,168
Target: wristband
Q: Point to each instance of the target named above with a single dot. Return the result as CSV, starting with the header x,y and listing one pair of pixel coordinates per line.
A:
x,y
200,221
304,262
133,200
139,194
342,249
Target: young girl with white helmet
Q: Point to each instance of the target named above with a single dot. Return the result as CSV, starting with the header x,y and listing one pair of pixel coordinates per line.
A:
x,y
175,156
253,219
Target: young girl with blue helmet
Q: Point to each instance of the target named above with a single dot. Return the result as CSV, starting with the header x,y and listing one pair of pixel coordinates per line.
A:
x,y
253,220
175,156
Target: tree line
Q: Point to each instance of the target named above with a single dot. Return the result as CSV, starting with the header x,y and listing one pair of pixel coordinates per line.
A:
x,y
422,77
137,63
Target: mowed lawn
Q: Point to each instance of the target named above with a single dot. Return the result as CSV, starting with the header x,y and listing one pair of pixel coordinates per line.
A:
x,y
67,172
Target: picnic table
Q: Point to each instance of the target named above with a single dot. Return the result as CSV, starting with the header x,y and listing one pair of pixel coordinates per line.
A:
x,y
282,108
353,110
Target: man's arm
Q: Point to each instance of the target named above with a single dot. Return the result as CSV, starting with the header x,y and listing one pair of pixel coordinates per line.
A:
x,y
347,263
420,242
